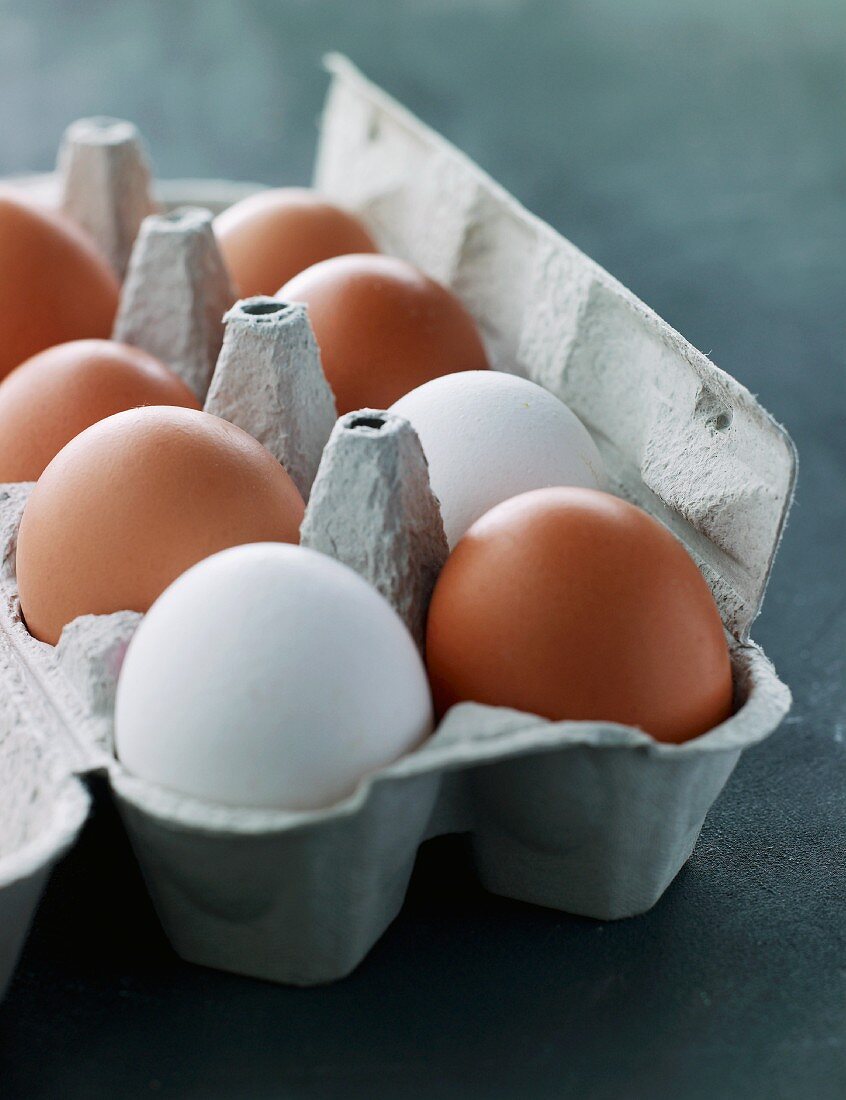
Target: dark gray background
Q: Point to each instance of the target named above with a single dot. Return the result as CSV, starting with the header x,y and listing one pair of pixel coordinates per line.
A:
x,y
696,148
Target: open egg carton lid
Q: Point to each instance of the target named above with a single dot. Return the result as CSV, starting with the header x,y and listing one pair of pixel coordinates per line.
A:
x,y
587,817
679,436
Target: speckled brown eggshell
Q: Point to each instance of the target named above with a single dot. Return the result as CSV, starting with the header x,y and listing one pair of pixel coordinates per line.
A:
x,y
55,395
54,284
271,236
384,328
133,501
572,604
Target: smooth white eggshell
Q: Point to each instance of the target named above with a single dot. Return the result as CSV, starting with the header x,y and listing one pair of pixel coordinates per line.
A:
x,y
269,675
489,436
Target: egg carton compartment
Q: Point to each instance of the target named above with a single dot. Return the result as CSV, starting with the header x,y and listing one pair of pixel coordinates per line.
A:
x,y
42,811
587,817
42,804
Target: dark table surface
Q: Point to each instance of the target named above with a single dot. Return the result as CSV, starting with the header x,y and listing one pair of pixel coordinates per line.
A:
x,y
696,149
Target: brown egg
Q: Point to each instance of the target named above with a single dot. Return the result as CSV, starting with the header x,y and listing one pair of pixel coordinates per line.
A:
x,y
384,328
134,501
60,392
54,284
270,237
570,603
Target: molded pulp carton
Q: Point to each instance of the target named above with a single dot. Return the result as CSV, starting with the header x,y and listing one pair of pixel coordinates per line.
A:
x,y
587,817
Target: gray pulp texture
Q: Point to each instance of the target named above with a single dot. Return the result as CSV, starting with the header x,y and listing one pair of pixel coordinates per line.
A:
x,y
176,292
372,508
270,382
106,187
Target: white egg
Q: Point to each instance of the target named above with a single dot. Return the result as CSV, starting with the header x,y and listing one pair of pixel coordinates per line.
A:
x,y
269,675
489,436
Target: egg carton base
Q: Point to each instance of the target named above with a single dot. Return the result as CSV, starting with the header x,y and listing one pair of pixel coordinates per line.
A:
x,y
24,870
301,908
18,901
584,817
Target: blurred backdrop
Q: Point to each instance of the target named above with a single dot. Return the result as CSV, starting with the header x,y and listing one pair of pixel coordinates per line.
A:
x,y
696,149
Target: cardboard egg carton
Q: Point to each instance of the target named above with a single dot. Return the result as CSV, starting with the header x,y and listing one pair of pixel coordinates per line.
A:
x,y
587,817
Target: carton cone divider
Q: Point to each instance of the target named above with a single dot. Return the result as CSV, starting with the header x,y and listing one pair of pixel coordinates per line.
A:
x,y
269,381
105,184
176,292
372,508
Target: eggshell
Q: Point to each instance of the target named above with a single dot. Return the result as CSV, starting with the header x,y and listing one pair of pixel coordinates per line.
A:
x,y
56,394
271,236
489,436
383,328
135,500
572,604
302,679
54,284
